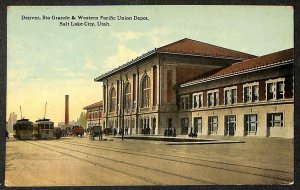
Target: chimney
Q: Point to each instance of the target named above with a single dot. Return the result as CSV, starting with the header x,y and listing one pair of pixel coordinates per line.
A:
x,y
67,110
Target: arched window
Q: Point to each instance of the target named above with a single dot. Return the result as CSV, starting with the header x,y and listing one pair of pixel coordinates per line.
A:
x,y
113,99
154,85
146,92
128,96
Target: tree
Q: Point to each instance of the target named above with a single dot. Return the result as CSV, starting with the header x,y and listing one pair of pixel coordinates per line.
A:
x,y
82,119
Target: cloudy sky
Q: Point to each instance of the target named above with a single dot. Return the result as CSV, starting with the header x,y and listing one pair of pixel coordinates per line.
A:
x,y
46,61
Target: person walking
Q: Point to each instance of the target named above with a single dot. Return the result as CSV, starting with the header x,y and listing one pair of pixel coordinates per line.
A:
x,y
7,134
174,132
100,135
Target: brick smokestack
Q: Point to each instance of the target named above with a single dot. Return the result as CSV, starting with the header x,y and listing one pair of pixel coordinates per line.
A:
x,y
67,110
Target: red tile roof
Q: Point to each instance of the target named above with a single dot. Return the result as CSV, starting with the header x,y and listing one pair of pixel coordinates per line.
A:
x,y
94,105
248,65
185,47
193,47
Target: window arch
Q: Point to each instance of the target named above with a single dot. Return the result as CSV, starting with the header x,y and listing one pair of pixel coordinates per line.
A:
x,y
128,96
146,91
113,99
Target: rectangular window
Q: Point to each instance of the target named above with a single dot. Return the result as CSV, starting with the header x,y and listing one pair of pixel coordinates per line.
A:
x,y
184,126
198,124
275,119
184,102
250,124
251,92
46,126
213,98
230,124
247,94
255,93
197,100
270,91
210,99
280,90
230,95
200,100
227,97
213,124
216,98
275,89
234,96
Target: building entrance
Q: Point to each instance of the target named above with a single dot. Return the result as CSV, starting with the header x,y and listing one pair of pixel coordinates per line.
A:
x,y
230,125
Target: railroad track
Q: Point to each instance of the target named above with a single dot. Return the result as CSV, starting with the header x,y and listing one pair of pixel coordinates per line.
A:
x,y
250,170
74,154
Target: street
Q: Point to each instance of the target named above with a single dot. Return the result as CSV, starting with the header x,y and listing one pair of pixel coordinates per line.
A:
x,y
72,161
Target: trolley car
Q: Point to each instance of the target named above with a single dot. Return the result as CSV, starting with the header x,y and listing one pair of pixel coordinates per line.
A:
x,y
43,129
23,129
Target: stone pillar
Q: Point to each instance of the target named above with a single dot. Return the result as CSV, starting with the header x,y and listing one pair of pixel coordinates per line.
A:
x,y
239,125
221,125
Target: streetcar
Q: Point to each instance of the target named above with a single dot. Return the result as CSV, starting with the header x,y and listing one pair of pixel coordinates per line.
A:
x,y
23,129
44,129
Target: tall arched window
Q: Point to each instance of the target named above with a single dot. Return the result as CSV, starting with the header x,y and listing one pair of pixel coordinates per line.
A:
x,y
146,92
128,96
154,85
113,99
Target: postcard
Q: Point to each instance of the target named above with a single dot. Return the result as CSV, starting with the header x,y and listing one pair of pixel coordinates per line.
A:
x,y
148,95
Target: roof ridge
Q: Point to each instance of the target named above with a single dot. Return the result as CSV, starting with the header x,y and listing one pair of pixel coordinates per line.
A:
x,y
171,43
184,39
284,54
262,56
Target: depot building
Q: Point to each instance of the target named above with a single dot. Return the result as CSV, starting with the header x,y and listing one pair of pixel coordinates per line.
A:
x,y
201,88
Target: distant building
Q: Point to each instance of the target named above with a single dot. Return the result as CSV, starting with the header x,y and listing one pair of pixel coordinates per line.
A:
x,y
11,121
94,114
201,88
71,123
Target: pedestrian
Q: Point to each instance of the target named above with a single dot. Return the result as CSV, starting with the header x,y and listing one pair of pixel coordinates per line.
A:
x,y
100,135
7,134
174,132
126,131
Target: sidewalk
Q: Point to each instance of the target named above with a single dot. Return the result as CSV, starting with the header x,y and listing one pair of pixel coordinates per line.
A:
x,y
184,139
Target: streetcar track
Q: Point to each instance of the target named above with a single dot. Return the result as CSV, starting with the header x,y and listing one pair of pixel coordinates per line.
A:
x,y
97,164
200,159
119,161
186,162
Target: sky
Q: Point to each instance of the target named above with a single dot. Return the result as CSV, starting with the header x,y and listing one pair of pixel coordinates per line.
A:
x,y
47,61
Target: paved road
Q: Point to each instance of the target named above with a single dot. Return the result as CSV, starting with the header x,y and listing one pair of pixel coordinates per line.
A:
x,y
82,162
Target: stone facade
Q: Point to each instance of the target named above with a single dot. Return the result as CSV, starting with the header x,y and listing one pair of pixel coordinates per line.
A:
x,y
156,91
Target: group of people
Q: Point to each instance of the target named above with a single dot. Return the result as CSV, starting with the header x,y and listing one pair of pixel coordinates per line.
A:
x,y
96,133
170,132
193,134
121,131
146,131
